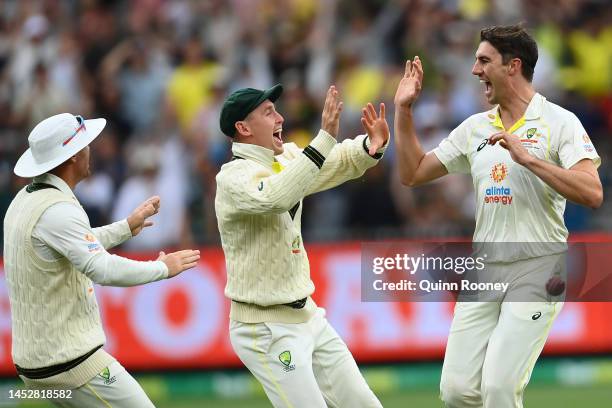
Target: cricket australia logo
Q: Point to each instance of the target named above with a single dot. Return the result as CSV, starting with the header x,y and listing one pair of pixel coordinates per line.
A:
x,y
285,358
105,374
295,247
531,132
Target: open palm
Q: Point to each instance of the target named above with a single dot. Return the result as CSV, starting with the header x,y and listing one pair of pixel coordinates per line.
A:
x,y
375,126
411,84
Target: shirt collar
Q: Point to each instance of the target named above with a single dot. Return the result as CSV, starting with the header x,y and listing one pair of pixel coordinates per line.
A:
x,y
55,181
533,111
254,152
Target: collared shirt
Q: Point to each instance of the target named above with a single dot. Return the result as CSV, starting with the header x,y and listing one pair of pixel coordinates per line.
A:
x,y
259,209
513,204
63,230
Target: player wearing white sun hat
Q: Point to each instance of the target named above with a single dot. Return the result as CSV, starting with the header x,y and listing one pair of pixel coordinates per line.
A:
x,y
52,257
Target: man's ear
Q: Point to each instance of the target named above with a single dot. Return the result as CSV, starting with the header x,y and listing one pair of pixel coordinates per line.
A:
x,y
514,68
242,129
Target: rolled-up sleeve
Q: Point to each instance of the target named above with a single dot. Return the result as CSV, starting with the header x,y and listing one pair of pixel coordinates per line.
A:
x,y
64,227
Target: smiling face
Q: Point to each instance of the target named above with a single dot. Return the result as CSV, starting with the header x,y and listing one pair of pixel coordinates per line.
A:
x,y
491,71
263,127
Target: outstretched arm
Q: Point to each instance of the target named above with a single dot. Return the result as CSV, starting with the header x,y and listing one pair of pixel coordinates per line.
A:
x,y
118,232
415,166
66,229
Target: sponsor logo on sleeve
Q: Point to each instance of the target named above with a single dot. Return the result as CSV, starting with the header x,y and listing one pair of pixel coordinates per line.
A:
x,y
588,145
92,243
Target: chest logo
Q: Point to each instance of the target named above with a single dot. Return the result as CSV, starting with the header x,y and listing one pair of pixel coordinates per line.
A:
x,y
482,145
499,172
295,245
260,186
531,132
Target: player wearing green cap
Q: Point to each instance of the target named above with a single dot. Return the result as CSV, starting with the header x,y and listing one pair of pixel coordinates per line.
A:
x,y
276,328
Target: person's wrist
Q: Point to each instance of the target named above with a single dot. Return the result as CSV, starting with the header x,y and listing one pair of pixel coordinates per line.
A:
x,y
527,160
366,146
404,108
330,131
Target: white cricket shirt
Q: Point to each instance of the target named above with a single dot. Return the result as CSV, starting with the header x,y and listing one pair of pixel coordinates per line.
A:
x,y
513,204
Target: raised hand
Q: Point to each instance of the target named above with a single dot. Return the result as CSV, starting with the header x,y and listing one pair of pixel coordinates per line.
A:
x,y
179,261
330,120
410,86
375,126
138,219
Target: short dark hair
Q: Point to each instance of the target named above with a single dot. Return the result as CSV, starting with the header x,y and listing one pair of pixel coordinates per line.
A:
x,y
513,41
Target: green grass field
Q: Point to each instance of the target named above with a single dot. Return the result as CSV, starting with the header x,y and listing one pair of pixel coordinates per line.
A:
x,y
536,397
555,383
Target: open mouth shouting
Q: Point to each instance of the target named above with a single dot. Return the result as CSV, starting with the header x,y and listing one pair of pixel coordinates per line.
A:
x,y
488,87
277,135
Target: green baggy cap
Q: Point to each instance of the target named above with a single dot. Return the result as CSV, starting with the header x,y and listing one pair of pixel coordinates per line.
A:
x,y
240,103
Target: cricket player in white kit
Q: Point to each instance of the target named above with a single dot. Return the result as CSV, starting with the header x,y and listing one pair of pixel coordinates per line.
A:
x,y
52,257
526,156
276,328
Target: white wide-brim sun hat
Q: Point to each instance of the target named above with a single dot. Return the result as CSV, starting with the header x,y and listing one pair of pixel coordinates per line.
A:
x,y
55,140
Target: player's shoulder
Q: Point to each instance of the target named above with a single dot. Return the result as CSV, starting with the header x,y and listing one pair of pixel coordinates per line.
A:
x,y
290,151
235,166
554,113
61,214
476,120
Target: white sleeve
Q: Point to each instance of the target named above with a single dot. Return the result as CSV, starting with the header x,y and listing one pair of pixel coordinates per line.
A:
x,y
347,160
65,228
575,144
113,234
260,193
452,151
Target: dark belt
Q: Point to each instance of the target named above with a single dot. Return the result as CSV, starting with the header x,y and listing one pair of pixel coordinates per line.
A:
x,y
45,372
298,304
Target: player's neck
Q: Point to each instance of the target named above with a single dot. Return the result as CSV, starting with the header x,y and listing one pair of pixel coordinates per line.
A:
x,y
513,106
68,176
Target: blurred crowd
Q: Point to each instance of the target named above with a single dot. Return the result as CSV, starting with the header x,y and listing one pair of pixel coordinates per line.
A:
x,y
158,71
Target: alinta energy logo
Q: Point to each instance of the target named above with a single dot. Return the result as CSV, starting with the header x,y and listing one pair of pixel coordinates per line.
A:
x,y
498,194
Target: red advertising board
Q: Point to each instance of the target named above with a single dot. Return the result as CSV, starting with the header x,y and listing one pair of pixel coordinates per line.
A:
x,y
182,323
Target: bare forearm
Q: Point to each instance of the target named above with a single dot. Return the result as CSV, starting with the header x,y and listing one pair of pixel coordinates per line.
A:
x,y
409,150
577,186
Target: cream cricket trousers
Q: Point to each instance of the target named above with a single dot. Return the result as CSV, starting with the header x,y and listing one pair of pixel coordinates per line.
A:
x,y
114,388
302,365
493,346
